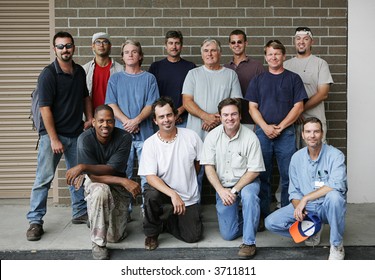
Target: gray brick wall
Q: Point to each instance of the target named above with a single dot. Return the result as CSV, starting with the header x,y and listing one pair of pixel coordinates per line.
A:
x,y
148,21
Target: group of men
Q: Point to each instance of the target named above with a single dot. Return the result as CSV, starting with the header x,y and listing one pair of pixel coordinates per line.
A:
x,y
181,121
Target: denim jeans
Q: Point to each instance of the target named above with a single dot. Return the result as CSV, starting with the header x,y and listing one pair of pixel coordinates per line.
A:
x,y
332,211
283,147
45,172
135,148
234,222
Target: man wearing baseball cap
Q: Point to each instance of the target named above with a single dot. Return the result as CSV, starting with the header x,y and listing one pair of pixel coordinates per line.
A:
x,y
100,68
316,78
317,192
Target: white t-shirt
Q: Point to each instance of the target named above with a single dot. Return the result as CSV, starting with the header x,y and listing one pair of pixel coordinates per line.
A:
x,y
174,163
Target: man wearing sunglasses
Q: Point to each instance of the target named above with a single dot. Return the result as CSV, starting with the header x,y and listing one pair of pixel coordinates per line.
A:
x,y
245,67
63,98
316,78
99,69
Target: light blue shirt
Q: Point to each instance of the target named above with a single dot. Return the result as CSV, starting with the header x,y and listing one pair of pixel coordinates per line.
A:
x,y
132,92
307,175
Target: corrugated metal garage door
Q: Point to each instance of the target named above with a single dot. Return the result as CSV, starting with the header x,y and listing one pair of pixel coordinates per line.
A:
x,y
24,51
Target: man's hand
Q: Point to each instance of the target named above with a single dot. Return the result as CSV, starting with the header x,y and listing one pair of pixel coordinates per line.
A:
x,y
272,131
178,205
300,211
133,187
57,147
227,197
210,121
87,125
131,126
72,176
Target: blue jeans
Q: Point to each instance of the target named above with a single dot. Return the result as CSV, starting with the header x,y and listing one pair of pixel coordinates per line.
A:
x,y
283,147
332,211
135,148
47,164
234,222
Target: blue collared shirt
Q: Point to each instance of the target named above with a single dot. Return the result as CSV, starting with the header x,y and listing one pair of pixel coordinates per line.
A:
x,y
307,175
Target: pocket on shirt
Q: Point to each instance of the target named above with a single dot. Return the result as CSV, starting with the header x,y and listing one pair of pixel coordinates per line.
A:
x,y
239,164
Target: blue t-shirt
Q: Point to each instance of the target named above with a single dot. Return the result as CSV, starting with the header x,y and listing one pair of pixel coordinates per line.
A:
x,y
170,77
276,94
132,92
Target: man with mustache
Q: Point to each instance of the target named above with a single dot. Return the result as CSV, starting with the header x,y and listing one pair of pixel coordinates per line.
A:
x,y
63,97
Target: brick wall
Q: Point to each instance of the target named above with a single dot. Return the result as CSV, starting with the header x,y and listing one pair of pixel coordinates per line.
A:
x,y
148,21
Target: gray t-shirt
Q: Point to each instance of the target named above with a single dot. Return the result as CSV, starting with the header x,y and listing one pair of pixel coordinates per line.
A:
x,y
208,88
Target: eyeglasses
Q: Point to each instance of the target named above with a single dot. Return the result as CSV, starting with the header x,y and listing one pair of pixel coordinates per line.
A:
x,y
104,42
236,42
62,46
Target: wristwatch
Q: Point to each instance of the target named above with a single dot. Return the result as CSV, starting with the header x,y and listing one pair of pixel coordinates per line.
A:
x,y
234,191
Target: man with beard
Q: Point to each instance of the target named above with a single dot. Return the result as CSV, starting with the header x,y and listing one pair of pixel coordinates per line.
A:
x,y
316,78
63,98
170,162
100,68
171,71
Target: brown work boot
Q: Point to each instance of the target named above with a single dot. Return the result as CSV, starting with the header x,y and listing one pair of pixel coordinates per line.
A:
x,y
151,242
35,232
247,251
80,220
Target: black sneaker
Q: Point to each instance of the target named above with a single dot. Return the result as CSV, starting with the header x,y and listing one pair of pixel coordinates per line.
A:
x,y
80,220
35,232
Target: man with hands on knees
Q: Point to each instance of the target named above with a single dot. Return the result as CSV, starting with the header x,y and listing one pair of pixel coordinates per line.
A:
x,y
233,160
318,186
170,162
103,151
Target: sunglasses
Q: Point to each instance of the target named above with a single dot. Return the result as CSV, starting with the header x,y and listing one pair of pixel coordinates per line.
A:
x,y
236,42
62,46
104,42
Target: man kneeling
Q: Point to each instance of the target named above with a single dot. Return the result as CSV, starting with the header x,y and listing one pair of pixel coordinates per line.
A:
x,y
103,151
170,163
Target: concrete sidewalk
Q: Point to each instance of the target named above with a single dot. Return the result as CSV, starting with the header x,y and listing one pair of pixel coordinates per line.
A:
x,y
61,234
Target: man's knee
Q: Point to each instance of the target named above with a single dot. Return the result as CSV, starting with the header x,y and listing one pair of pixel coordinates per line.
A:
x,y
335,198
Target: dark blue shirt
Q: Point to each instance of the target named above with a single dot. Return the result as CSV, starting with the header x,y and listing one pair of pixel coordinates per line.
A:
x,y
170,77
65,94
276,94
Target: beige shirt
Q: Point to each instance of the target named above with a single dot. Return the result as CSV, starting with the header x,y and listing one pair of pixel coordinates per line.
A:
x,y
232,158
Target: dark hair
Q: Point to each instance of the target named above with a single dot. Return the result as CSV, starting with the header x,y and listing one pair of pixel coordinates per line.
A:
x,y
134,43
161,102
276,44
238,32
174,34
230,101
312,120
104,107
62,34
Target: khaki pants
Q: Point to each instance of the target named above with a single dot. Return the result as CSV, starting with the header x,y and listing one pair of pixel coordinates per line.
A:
x,y
107,208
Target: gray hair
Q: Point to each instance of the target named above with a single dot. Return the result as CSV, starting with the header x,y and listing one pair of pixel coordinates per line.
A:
x,y
209,41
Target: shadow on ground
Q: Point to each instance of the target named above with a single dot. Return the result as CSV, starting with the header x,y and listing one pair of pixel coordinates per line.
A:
x,y
272,253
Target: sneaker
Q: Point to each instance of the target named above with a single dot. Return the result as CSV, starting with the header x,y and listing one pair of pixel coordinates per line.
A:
x,y
336,252
151,243
80,220
35,232
247,251
99,252
315,239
